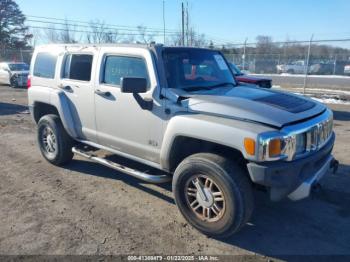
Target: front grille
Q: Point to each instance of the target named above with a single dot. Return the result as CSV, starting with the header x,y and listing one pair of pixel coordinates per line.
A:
x,y
318,135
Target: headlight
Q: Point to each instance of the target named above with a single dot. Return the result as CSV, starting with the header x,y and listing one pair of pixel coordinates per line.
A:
x,y
294,141
277,146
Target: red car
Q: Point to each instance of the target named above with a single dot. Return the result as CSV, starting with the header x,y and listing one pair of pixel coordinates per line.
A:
x,y
261,82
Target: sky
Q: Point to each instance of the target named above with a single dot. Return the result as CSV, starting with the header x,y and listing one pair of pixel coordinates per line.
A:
x,y
221,20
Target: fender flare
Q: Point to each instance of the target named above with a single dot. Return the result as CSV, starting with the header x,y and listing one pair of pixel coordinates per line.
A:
x,y
57,99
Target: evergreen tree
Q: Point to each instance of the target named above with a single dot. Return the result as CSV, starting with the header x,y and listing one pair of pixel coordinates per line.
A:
x,y
13,32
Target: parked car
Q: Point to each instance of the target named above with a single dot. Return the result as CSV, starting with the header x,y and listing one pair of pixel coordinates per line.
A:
x,y
296,67
180,112
347,70
322,69
14,74
263,66
243,78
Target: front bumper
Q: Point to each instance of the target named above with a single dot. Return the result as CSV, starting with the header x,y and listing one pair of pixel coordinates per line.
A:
x,y
296,178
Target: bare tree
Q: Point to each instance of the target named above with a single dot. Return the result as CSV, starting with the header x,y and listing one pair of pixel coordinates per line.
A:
x,y
97,32
100,33
175,40
129,39
144,37
264,44
51,34
68,33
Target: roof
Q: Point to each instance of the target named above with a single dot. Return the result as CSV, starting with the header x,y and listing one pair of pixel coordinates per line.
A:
x,y
97,45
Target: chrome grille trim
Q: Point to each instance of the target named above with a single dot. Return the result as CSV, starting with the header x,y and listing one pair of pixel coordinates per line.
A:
x,y
318,132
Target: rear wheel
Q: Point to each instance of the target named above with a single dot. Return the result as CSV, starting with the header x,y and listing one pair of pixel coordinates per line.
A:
x,y
13,82
213,193
54,142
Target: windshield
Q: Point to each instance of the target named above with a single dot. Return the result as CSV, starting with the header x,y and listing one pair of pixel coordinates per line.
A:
x,y
235,70
189,69
18,67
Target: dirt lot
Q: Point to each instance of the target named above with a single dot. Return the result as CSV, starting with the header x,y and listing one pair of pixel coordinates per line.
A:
x,y
85,208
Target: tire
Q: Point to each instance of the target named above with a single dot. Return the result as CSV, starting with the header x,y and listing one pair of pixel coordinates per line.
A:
x,y
56,149
229,178
290,71
13,82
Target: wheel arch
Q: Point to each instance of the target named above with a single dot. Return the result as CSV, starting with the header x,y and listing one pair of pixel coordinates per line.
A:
x,y
43,101
185,146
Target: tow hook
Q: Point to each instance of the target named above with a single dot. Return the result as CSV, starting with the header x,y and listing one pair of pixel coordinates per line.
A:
x,y
334,165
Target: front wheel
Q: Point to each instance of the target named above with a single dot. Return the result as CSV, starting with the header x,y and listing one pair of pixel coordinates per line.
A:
x,y
213,193
54,142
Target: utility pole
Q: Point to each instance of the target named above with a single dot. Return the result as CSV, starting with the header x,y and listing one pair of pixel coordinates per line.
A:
x,y
164,22
244,52
335,64
183,24
187,23
307,63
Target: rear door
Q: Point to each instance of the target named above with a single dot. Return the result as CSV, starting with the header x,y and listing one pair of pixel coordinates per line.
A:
x,y
77,83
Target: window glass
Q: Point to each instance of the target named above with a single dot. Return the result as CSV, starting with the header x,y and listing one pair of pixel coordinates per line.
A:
x,y
78,67
187,68
45,65
19,67
117,67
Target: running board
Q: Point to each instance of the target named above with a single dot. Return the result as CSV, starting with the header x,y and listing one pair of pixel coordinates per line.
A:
x,y
126,170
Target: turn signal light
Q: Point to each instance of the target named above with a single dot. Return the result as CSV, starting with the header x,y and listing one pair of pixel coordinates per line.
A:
x,y
275,147
249,145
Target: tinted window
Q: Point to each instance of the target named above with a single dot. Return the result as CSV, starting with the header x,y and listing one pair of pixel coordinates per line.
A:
x,y
78,67
18,67
187,68
45,65
117,67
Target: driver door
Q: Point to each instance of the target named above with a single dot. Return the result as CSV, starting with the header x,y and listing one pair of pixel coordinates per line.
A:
x,y
121,122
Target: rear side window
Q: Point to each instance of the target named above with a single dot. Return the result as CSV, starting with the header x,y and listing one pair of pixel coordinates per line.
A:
x,y
78,67
117,67
45,65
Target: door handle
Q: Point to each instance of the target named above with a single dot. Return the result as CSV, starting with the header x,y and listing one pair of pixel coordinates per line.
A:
x,y
66,88
102,93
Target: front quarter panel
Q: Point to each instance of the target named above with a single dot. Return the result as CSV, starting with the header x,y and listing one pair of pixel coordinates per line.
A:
x,y
227,132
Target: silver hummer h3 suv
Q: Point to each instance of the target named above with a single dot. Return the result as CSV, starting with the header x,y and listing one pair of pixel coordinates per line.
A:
x,y
180,113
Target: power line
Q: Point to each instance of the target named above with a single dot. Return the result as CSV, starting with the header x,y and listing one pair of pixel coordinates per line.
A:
x,y
88,23
92,26
86,31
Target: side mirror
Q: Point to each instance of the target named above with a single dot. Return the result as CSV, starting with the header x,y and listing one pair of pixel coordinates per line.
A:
x,y
133,85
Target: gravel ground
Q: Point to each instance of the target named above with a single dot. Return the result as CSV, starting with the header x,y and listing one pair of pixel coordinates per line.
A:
x,y
85,208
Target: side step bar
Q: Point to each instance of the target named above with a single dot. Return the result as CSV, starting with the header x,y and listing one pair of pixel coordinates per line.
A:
x,y
126,170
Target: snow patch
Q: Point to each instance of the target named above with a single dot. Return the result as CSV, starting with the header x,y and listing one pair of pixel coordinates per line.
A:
x,y
302,75
332,101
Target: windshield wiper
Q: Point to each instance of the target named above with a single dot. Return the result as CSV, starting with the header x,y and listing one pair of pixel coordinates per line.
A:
x,y
197,88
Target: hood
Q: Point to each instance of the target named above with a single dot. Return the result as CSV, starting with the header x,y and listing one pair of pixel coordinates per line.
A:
x,y
251,79
266,106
